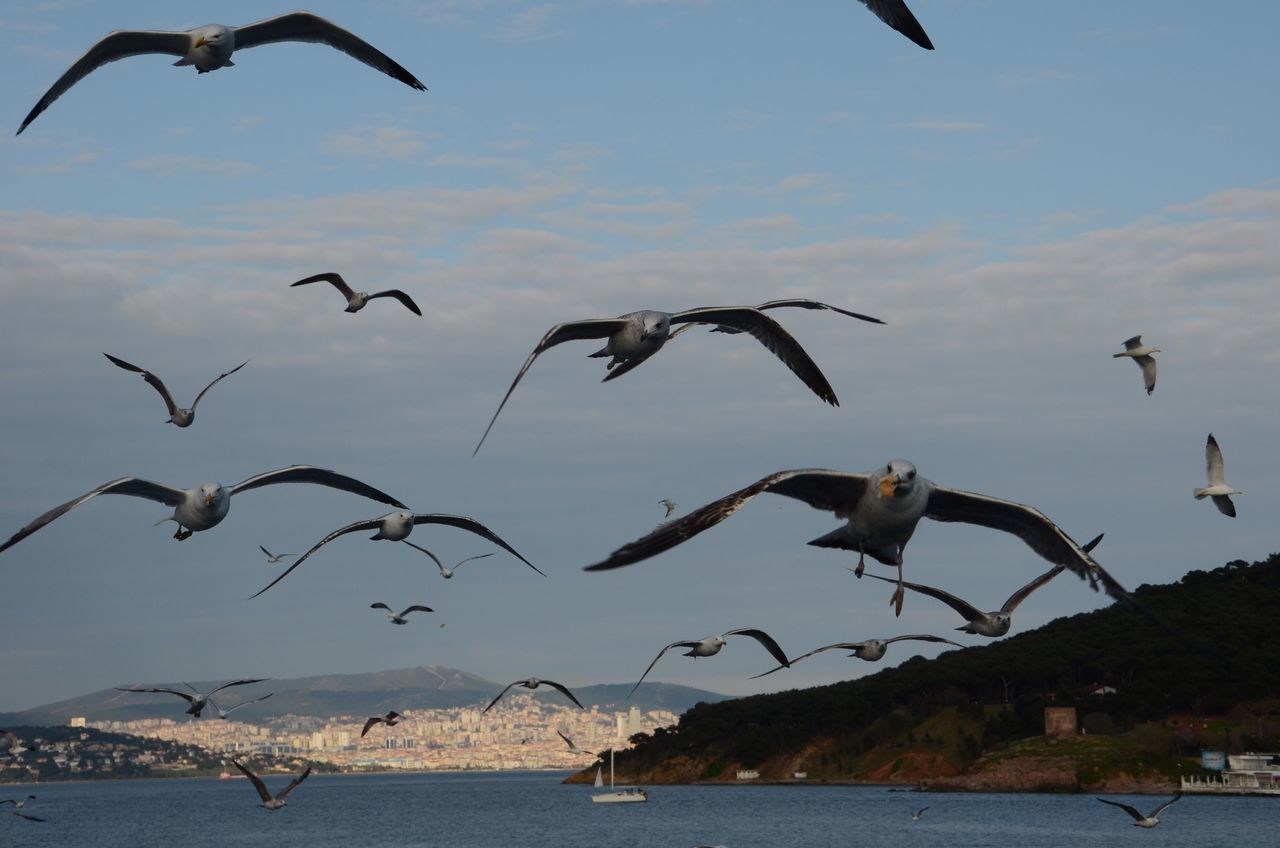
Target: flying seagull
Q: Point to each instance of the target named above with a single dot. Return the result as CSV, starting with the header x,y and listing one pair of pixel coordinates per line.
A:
x,y
19,803
12,745
1139,820
181,417
636,336
272,559
896,14
357,300
573,749
801,302
882,508
197,701
1141,354
224,714
711,646
205,506
870,650
446,573
670,506
268,800
918,813
1217,488
390,720
210,47
534,683
399,617
395,526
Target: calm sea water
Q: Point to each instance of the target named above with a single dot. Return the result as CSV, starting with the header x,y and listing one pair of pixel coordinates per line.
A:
x,y
533,810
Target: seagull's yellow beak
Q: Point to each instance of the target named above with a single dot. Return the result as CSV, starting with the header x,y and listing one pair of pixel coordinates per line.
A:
x,y
201,41
888,487
208,500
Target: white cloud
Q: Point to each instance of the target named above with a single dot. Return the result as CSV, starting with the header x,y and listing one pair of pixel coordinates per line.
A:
x,y
376,141
176,165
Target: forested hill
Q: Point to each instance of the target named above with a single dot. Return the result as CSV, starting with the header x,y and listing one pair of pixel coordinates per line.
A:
x,y
1223,649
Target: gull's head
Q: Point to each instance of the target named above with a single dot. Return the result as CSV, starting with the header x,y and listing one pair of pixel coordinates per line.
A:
x,y
654,324
211,494
1002,621
872,649
214,36
717,642
898,478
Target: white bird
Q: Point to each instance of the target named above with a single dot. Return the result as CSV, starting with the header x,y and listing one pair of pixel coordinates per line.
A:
x,y
224,714
573,749
18,803
271,802
205,506
670,506
1217,488
1139,820
395,526
534,683
357,300
711,645
196,700
272,559
881,508
210,47
13,746
390,720
636,336
870,650
399,617
1141,354
918,813
446,573
896,14
177,415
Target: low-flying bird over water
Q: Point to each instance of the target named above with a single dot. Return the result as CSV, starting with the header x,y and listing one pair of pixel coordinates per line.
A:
x,y
272,559
205,506
446,573
390,720
196,700
1139,820
210,47
395,526
19,803
357,300
12,746
1141,354
636,336
918,813
573,749
1217,488
177,415
271,802
225,714
534,683
399,617
896,14
870,650
881,508
711,645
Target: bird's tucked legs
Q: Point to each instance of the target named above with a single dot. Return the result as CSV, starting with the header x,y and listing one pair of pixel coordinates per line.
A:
x,y
862,564
182,533
898,593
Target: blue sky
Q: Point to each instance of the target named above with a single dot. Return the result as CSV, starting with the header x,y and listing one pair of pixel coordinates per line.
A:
x,y
1053,179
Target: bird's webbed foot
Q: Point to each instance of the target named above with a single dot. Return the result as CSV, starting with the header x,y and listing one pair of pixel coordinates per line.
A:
x,y
182,534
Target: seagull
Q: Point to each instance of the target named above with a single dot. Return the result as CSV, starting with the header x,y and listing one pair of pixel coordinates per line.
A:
x,y
801,302
882,508
210,47
573,749
1139,820
13,746
272,559
996,623
390,720
268,800
205,506
181,417
446,573
399,617
636,336
357,300
711,646
918,813
224,714
19,803
197,701
534,683
669,504
1141,354
896,14
1217,488
870,650
395,526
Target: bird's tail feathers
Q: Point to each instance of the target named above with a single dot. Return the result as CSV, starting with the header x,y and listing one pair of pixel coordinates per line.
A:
x,y
1201,494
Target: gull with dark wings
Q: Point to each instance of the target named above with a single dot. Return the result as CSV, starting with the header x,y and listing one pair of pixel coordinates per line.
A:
x,y
19,803
870,650
226,714
573,749
636,336
196,700
534,683
1139,820
390,720
881,509
357,300
210,47
177,415
446,573
1217,489
399,617
711,645
395,526
272,559
271,802
206,505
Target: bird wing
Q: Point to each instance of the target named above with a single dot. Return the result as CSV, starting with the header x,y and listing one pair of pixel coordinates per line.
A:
x,y
415,608
435,558
115,45
255,780
625,367
1028,524
921,637
1148,365
304,26
770,334
764,639
805,303
400,296
247,703
655,662
1137,816
152,379
471,526
265,551
134,486
1213,462
499,697
1021,595
328,276
365,524
836,491
477,556
214,382
1129,344
565,690
1160,809
370,723
567,740
380,605
293,784
1224,505
319,476
593,328
244,682
25,816
844,646
967,610
896,14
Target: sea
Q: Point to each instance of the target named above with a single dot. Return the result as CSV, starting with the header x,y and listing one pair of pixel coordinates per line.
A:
x,y
536,810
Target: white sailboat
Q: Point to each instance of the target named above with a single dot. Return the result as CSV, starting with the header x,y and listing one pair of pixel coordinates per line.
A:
x,y
626,795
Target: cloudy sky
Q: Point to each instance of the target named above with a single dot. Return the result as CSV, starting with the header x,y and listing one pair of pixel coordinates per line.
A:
x,y
1053,179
